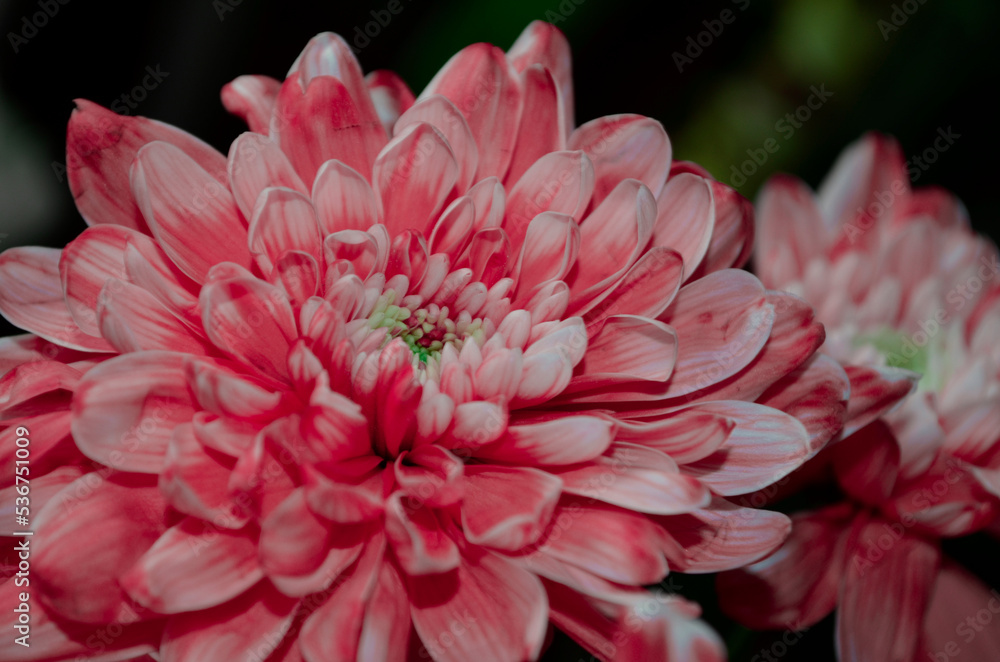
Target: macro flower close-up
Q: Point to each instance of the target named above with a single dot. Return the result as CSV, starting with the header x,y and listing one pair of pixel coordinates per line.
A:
x,y
396,331
400,377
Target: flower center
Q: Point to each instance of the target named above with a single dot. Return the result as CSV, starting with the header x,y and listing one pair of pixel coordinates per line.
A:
x,y
425,330
915,352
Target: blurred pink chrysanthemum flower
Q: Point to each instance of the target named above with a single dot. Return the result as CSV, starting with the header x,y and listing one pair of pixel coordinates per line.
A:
x,y
910,298
400,378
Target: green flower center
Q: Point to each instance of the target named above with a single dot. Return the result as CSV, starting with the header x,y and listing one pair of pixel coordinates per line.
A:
x,y
915,352
425,330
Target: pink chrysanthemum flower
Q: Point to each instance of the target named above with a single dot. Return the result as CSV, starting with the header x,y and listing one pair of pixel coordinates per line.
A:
x,y
399,379
910,300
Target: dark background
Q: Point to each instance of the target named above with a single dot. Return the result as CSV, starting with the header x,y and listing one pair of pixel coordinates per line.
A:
x,y
936,71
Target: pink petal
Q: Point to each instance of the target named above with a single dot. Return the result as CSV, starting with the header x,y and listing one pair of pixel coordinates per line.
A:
x,y
413,177
125,410
507,508
194,565
882,603
558,182
760,595
765,445
58,639
283,220
874,392
344,199
959,605
344,611
646,290
328,54
100,146
543,43
816,393
794,336
251,98
482,84
391,96
86,264
686,436
194,480
77,571
733,235
133,320
610,542
723,321
867,463
638,626
321,121
559,441
442,114
31,297
612,238
251,321
627,348
385,633
547,130
549,251
256,621
722,536
420,543
624,147
789,216
870,165
256,163
685,218
177,197
294,543
500,610
638,478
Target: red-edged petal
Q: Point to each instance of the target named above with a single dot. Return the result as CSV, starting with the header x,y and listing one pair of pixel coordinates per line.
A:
x,y
500,610
507,507
31,297
194,565
256,163
722,536
250,320
255,621
100,147
760,595
344,199
546,130
685,218
624,147
882,603
76,570
251,98
125,410
413,177
560,441
763,447
177,197
482,84
321,121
